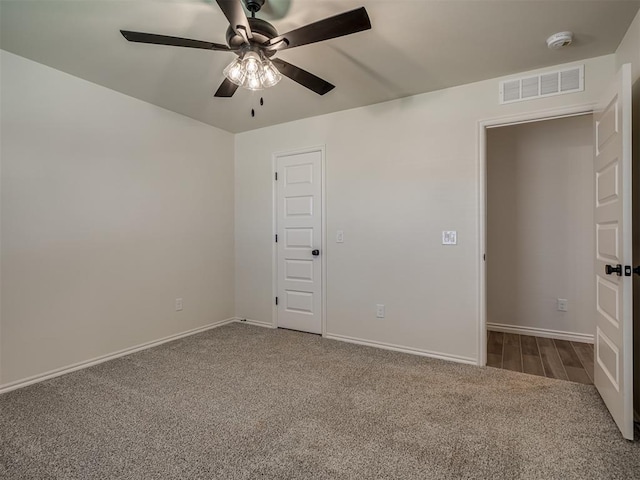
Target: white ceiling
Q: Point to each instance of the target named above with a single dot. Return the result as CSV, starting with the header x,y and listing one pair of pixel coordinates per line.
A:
x,y
414,46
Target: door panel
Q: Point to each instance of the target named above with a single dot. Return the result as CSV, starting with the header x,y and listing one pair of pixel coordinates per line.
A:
x,y
608,301
614,303
299,226
298,270
298,206
607,242
301,238
608,358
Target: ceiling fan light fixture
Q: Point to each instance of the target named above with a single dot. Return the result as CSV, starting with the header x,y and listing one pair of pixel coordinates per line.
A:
x,y
253,71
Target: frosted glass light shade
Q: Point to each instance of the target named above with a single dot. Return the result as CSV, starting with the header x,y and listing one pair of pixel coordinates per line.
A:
x,y
235,72
270,74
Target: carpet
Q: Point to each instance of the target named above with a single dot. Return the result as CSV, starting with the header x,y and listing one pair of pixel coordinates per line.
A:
x,y
244,402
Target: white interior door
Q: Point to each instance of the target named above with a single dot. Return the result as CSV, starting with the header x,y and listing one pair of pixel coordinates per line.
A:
x,y
299,241
614,301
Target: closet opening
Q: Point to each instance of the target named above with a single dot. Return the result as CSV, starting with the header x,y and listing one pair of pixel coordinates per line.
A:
x,y
539,244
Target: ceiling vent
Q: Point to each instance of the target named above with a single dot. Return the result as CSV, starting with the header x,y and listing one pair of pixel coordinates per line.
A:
x,y
544,85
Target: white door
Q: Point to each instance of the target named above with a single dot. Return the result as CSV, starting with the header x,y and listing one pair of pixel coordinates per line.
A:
x,y
614,302
299,241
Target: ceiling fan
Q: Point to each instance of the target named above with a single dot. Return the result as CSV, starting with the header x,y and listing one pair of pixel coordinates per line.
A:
x,y
256,41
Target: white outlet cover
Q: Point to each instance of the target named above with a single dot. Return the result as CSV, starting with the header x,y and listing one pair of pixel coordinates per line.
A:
x,y
563,305
449,237
339,236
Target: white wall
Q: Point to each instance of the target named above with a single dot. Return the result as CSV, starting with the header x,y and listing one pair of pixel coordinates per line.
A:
x,y
629,49
398,173
111,208
540,198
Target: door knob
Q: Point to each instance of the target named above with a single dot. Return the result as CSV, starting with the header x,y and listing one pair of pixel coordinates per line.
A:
x,y
636,270
315,253
610,269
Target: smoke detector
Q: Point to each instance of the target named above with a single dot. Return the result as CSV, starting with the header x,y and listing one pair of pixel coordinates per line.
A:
x,y
559,40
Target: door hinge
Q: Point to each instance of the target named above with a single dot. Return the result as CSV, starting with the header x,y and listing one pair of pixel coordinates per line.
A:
x,y
276,300
484,257
276,238
276,176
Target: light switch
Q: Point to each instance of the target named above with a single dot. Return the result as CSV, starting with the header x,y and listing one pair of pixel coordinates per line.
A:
x,y
339,236
449,238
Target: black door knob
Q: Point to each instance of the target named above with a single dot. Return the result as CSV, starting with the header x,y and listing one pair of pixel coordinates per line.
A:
x,y
610,269
636,270
315,253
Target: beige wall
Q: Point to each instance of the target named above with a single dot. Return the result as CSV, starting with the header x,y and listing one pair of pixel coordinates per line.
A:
x,y
539,225
629,49
397,175
629,52
111,209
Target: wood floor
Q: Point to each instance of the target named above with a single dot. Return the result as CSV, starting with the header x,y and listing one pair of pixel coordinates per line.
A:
x,y
545,357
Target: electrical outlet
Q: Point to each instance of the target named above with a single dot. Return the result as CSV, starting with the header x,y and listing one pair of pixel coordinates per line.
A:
x,y
379,311
178,304
563,305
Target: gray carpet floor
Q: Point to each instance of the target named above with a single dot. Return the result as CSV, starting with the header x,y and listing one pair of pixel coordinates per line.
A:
x,y
243,402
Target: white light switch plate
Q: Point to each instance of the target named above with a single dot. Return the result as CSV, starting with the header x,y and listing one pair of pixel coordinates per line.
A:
x,y
339,236
449,237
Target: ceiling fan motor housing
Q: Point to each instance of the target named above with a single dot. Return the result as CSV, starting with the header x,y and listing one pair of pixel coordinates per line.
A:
x,y
262,32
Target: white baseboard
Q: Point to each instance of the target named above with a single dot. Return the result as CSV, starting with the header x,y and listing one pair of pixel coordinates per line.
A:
x,y
403,349
541,332
257,323
105,358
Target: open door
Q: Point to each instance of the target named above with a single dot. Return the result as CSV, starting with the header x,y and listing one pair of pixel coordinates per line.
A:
x,y
614,295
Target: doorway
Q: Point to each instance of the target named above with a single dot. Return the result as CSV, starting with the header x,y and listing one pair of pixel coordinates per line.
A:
x,y
612,305
299,257
540,280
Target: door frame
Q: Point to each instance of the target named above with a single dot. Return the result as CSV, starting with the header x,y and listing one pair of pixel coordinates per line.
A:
x,y
323,229
483,126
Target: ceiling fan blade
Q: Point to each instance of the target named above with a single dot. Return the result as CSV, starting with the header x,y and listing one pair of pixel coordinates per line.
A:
x,y
226,89
234,12
337,26
174,41
304,78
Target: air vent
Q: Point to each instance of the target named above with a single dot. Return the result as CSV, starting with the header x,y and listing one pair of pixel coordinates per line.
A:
x,y
545,85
